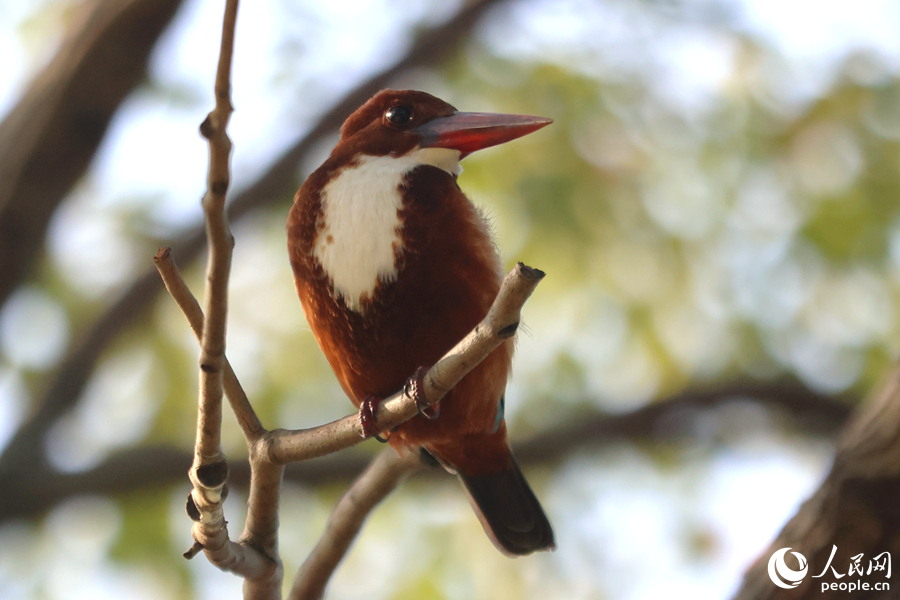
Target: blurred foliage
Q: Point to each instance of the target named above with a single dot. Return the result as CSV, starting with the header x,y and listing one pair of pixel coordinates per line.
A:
x,y
747,228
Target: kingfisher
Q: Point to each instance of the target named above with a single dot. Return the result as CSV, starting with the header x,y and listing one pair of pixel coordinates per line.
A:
x,y
394,265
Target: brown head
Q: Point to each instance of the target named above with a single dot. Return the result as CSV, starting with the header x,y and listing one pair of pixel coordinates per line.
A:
x,y
394,122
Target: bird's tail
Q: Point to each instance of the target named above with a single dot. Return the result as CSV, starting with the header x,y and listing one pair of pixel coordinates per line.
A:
x,y
509,511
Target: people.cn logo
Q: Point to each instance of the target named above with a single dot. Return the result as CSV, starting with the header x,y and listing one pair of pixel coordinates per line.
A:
x,y
782,575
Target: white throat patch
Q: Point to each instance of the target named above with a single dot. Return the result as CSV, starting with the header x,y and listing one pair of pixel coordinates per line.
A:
x,y
356,246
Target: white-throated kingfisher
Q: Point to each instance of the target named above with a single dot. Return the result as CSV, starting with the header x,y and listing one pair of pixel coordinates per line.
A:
x,y
394,265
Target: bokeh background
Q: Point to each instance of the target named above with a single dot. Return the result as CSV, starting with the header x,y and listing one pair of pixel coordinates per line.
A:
x,y
717,206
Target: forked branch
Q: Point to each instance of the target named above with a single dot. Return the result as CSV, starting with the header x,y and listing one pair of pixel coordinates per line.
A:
x,y
209,472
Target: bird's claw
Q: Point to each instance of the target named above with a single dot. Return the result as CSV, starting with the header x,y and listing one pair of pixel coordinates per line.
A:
x,y
367,419
415,389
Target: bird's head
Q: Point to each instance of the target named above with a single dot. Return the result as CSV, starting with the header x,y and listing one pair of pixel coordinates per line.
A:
x,y
397,122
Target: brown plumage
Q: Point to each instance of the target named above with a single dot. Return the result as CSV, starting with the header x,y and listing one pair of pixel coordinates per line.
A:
x,y
434,275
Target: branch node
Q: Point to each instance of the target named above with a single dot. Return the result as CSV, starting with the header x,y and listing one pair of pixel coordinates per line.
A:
x,y
206,128
193,551
530,273
191,508
162,254
508,331
213,475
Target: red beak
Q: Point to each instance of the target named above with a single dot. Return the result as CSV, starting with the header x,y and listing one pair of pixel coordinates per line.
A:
x,y
468,132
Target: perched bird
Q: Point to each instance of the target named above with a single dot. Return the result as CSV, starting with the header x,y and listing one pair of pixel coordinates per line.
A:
x,y
394,265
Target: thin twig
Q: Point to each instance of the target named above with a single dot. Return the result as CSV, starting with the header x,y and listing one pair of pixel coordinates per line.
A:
x,y
381,477
220,242
255,557
177,288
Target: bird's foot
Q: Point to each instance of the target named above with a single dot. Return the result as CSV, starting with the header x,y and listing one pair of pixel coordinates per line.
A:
x,y
415,389
367,422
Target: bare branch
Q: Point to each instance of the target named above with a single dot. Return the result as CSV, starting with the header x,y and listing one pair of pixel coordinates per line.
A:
x,y
209,472
382,476
261,526
261,566
171,276
220,241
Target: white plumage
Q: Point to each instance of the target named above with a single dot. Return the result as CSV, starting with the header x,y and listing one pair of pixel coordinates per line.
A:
x,y
358,244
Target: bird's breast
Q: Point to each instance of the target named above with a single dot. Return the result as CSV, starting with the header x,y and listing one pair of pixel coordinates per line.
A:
x,y
359,239
393,278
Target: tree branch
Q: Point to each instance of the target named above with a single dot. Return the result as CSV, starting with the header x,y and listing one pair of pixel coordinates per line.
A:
x,y
256,558
271,450
177,288
810,411
381,477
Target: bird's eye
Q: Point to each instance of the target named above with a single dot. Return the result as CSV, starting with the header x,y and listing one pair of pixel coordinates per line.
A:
x,y
398,116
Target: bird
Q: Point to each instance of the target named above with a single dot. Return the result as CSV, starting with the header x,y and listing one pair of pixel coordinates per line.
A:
x,y
394,265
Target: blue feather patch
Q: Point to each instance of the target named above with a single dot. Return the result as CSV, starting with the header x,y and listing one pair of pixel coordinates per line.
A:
x,y
500,410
